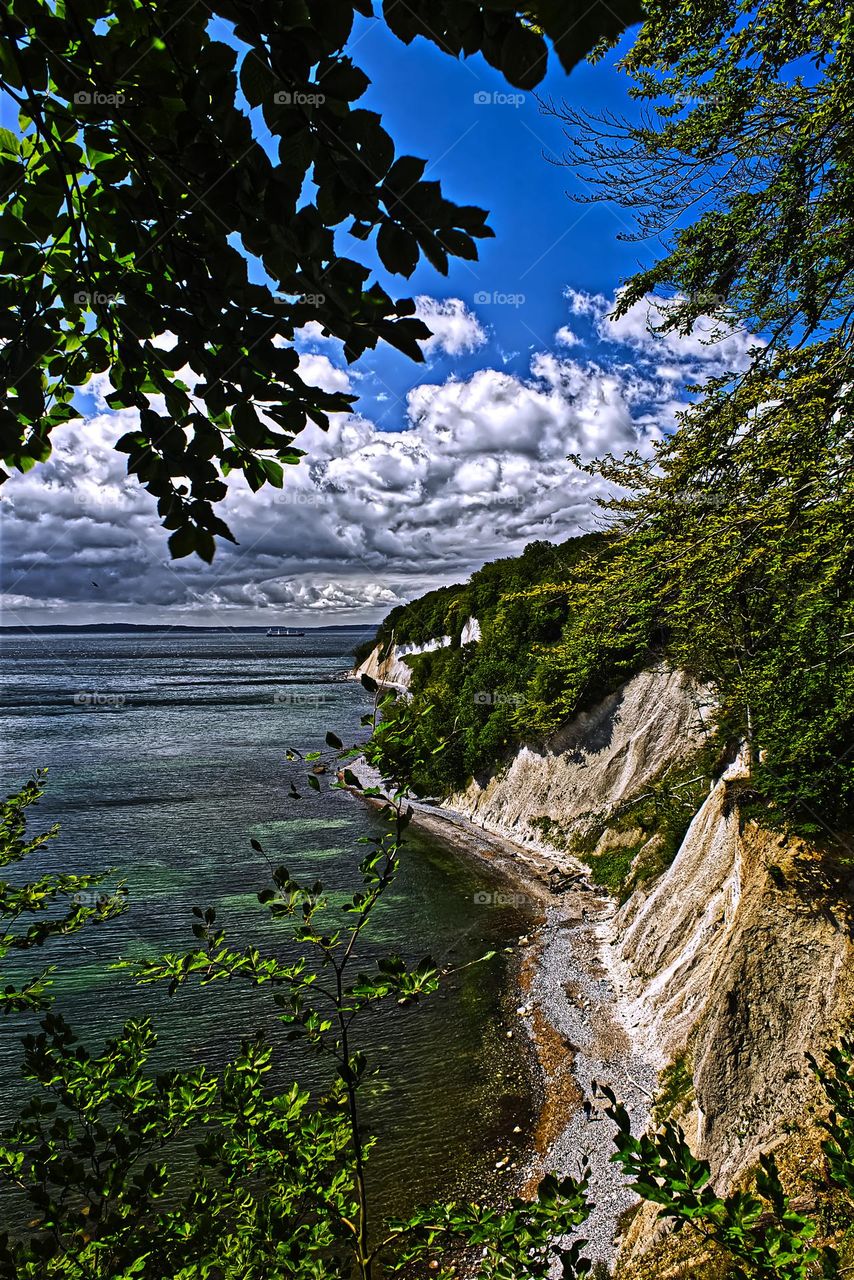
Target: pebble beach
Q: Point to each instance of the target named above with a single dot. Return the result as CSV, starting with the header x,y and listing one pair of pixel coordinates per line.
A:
x,y
570,1010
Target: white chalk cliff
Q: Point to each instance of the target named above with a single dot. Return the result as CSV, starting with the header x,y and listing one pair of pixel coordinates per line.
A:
x,y
388,666
390,669
594,762
734,964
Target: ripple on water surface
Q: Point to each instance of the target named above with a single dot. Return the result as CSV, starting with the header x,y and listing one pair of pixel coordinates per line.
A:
x,y
168,782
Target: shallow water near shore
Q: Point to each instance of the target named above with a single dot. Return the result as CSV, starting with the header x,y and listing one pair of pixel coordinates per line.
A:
x,y
167,755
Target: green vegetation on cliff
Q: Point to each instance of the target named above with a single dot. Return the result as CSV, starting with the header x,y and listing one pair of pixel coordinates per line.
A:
x,y
730,556
445,611
731,551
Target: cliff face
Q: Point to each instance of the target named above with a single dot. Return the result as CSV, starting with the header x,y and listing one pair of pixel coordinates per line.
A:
x,y
733,967
391,669
728,969
734,964
738,961
599,759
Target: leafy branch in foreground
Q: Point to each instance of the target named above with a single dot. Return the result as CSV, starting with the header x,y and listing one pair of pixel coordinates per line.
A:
x,y
174,206
243,1177
52,906
758,1228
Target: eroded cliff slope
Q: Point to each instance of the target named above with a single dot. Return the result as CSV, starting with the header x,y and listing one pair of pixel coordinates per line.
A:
x,y
736,959
600,759
732,964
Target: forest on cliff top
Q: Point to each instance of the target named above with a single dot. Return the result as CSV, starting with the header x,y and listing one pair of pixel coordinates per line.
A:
x,y
732,562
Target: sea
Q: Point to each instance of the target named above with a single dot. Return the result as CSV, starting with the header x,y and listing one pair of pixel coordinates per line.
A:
x,y
167,753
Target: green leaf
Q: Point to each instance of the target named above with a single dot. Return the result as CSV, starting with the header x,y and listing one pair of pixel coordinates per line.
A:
x,y
256,79
397,248
182,542
523,57
10,144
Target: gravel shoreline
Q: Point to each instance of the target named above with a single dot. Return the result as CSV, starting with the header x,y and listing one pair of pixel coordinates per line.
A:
x,y
571,1011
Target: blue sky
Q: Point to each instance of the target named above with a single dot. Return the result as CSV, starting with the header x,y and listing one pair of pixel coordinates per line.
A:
x,y
443,465
493,154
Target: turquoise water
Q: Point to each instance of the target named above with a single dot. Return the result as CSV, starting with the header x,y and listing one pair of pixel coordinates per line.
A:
x,y
167,755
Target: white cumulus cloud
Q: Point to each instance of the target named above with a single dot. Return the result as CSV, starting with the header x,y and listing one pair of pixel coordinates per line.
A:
x,y
455,328
476,468
713,345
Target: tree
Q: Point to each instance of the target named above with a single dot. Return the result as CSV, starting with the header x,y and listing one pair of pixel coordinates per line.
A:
x,y
737,534
740,164
735,556
169,214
